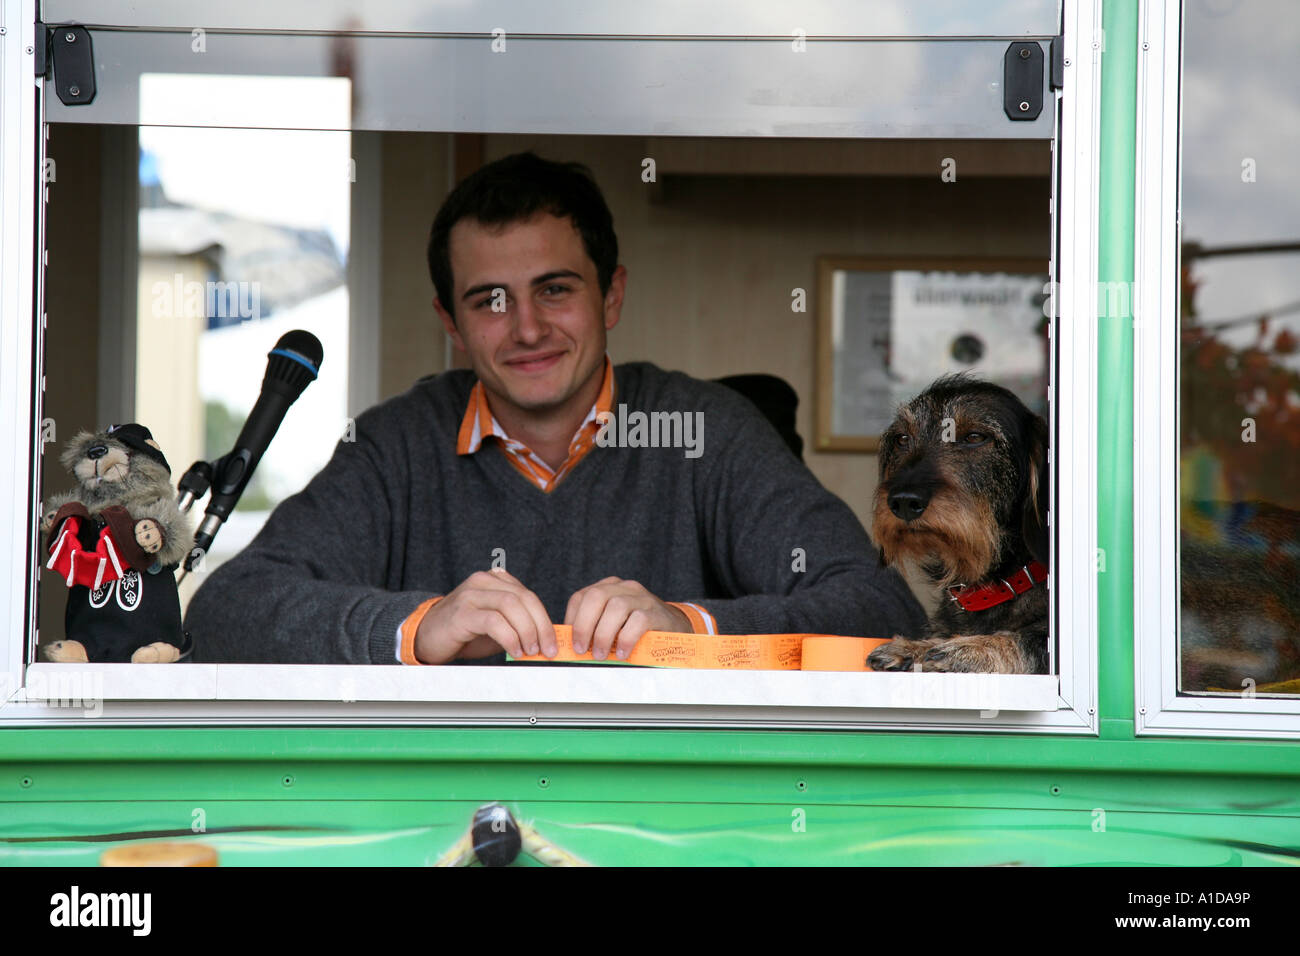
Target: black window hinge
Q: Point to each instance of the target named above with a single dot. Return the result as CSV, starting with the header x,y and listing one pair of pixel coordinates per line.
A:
x,y
41,44
67,49
1058,62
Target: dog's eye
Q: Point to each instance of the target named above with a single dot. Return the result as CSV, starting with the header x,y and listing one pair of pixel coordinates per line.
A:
x,y
975,438
902,440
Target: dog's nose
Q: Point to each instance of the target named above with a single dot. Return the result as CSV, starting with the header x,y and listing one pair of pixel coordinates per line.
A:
x,y
95,452
908,505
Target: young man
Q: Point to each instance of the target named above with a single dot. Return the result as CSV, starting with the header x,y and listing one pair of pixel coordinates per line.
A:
x,y
527,466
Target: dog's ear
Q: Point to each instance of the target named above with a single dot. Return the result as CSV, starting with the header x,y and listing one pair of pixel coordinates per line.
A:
x,y
1033,519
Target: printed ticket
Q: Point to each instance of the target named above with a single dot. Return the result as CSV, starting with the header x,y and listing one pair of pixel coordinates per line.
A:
x,y
790,652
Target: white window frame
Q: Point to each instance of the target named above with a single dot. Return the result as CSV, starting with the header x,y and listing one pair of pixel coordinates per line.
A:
x,y
1160,709
21,216
208,694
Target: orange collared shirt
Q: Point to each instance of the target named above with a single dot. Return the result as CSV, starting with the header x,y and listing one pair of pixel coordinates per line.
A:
x,y
479,424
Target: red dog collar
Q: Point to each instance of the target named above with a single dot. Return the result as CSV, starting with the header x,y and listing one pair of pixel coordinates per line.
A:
x,y
996,592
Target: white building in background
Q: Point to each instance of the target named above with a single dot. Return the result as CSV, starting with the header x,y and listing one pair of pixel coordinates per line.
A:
x,y
215,293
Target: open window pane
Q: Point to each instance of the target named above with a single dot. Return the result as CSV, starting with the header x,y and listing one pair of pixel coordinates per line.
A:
x,y
724,202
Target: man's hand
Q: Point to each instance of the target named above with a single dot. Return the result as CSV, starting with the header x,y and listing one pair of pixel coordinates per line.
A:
x,y
489,611
617,612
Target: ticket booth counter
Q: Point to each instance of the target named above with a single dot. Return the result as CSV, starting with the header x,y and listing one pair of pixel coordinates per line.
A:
x,y
853,199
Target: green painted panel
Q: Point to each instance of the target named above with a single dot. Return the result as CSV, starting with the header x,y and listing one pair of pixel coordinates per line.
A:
x,y
679,797
27,750
400,833
554,779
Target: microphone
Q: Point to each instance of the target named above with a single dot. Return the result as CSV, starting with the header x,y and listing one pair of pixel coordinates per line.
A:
x,y
291,366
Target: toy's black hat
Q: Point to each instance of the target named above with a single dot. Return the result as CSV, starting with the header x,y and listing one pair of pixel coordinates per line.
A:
x,y
138,437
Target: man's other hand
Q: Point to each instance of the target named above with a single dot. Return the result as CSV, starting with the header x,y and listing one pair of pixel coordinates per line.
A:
x,y
488,612
614,612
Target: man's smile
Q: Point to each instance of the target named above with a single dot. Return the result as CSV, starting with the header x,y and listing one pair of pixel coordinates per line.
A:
x,y
535,362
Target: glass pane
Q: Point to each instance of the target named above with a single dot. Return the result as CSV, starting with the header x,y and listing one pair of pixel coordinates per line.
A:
x,y
1011,18
1240,361
661,87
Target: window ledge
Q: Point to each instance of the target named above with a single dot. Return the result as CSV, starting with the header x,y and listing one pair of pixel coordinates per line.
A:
x,y
575,685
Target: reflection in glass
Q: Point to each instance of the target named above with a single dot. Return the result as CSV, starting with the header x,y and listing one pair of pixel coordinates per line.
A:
x,y
849,89
889,330
1240,361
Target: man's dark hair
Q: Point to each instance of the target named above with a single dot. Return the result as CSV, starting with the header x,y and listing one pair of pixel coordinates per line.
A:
x,y
514,189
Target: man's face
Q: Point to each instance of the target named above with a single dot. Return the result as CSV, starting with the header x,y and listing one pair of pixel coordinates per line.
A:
x,y
542,352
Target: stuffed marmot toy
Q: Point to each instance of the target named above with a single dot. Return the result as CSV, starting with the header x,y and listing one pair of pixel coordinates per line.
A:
x,y
116,537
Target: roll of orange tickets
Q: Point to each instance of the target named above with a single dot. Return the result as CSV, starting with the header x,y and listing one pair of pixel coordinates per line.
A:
x,y
159,854
821,653
788,652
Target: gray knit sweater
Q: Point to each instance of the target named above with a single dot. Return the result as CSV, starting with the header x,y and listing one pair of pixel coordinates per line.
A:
x,y
397,516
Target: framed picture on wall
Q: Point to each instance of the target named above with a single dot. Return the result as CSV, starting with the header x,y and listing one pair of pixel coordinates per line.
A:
x,y
888,327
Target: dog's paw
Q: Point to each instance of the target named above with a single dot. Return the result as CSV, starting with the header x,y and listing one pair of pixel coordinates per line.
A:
x,y
900,654
997,653
943,658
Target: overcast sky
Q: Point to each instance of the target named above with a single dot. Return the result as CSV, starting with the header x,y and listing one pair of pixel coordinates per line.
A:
x,y
1241,100
296,176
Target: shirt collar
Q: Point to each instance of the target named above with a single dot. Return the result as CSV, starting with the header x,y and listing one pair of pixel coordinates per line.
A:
x,y
479,423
